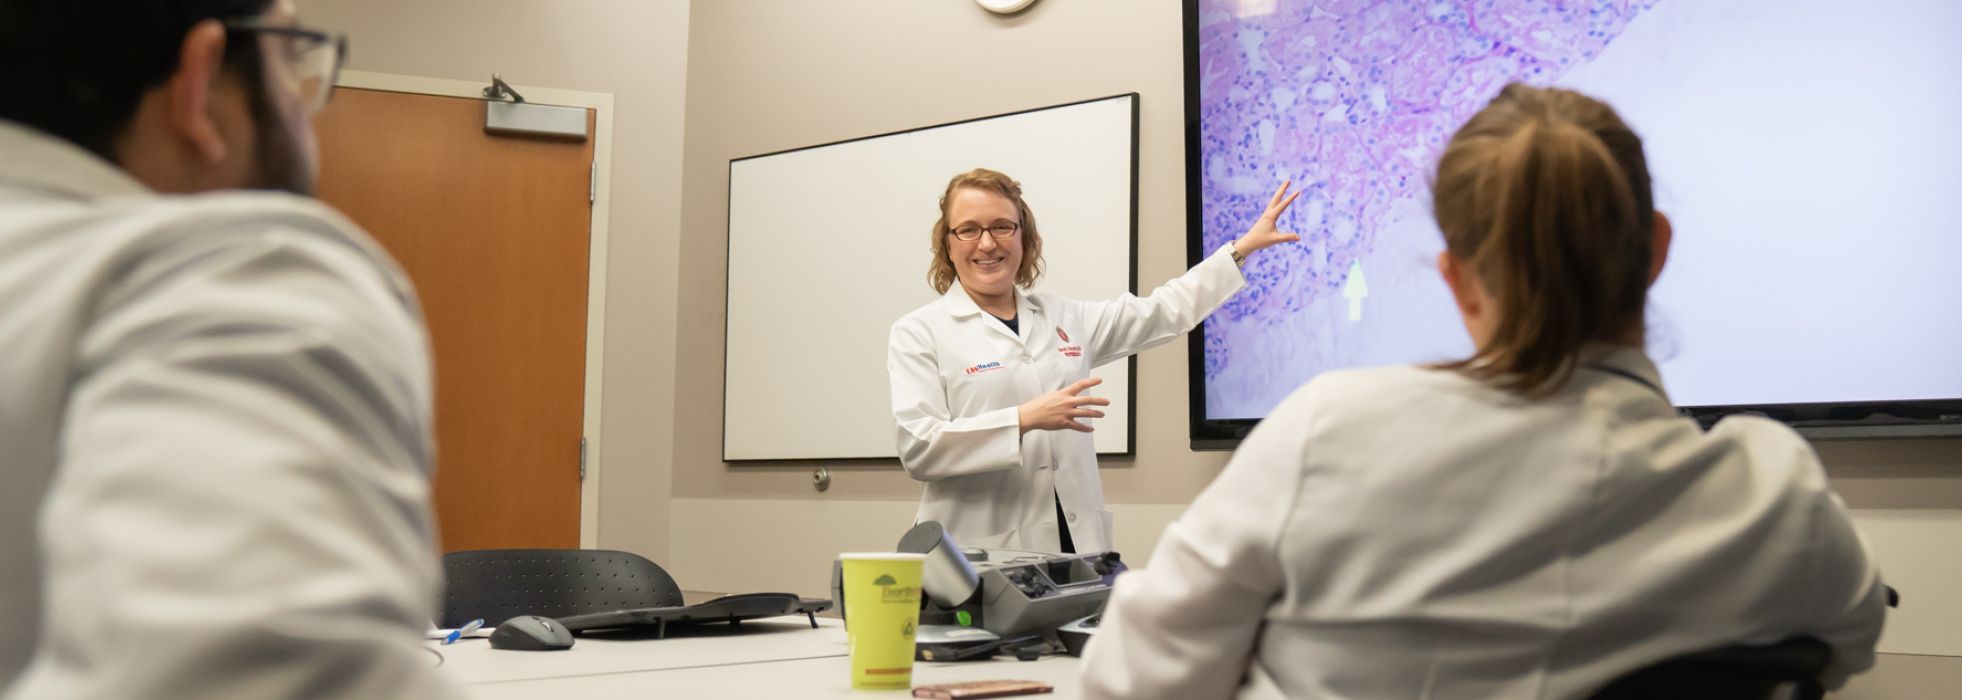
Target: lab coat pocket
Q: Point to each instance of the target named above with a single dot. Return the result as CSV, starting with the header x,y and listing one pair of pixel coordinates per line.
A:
x,y
1110,529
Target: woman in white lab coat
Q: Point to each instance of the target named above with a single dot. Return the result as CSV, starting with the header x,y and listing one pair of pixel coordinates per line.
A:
x,y
989,382
1531,522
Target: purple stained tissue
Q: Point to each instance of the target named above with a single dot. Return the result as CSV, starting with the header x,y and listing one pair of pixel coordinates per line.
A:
x,y
1354,100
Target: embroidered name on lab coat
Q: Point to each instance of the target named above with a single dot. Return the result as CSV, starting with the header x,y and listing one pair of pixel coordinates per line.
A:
x,y
1068,350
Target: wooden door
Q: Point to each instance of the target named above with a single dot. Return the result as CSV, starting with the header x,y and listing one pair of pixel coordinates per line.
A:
x,y
494,233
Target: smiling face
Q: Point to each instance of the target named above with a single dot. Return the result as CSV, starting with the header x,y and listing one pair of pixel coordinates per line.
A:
x,y
985,267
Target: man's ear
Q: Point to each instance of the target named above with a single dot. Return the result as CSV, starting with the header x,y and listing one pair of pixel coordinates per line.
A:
x,y
200,64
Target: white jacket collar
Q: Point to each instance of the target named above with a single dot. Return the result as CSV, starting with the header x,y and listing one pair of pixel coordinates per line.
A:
x,y
39,161
961,305
1626,359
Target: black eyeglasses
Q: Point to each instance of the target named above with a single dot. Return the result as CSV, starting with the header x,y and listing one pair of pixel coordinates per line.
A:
x,y
1000,230
314,58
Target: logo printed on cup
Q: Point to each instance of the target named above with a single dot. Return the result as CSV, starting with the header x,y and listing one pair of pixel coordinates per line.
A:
x,y
891,592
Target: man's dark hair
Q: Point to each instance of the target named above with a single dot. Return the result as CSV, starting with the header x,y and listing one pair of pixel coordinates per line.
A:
x,y
78,68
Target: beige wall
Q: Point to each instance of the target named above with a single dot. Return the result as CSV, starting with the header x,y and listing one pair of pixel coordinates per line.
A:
x,y
637,51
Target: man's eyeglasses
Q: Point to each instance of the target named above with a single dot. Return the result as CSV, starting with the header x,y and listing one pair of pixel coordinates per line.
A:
x,y
1001,230
313,57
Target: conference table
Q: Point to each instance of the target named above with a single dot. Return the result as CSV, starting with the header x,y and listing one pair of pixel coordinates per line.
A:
x,y
772,658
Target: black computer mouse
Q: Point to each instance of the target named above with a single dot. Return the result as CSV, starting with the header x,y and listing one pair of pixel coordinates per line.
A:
x,y
531,633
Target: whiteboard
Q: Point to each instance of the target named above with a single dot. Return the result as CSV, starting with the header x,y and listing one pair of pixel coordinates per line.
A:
x,y
829,245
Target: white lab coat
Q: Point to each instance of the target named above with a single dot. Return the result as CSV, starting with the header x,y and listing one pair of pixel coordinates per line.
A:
x,y
959,375
1411,533
214,444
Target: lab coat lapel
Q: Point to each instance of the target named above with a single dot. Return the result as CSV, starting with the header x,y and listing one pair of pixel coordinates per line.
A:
x,y
1031,319
961,306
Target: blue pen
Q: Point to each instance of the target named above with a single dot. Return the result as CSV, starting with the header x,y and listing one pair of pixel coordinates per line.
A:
x,y
467,628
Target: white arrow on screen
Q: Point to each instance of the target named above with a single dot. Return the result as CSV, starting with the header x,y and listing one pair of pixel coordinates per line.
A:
x,y
1355,289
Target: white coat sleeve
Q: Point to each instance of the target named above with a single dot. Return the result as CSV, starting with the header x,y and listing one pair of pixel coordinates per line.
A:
x,y
242,508
933,444
1185,625
1128,325
1849,602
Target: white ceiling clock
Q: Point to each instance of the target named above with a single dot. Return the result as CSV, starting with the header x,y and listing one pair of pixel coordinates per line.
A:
x,y
1005,7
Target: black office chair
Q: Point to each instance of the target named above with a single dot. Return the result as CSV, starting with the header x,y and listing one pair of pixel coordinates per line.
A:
x,y
1730,673
1734,672
498,584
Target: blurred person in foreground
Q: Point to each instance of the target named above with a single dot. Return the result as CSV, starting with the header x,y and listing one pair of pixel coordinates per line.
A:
x,y
215,449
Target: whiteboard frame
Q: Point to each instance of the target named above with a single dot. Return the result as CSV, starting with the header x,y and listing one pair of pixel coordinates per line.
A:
x,y
728,262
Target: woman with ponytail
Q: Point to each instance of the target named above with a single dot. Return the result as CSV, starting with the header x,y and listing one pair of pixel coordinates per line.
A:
x,y
1531,521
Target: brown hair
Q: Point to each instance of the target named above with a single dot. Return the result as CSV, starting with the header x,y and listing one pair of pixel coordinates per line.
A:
x,y
940,273
1545,196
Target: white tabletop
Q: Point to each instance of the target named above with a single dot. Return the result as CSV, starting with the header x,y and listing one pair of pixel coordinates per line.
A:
x,y
473,661
780,657
808,678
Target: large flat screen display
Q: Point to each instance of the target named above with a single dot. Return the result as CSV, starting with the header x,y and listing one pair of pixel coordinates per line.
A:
x,y
1809,153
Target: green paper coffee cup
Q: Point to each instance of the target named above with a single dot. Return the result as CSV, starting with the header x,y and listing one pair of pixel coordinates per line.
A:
x,y
882,613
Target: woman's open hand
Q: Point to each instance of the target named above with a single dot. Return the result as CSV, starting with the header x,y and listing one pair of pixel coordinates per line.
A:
x,y
1264,234
1058,410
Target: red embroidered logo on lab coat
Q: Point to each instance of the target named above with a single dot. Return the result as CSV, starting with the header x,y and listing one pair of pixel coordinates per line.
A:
x,y
1068,350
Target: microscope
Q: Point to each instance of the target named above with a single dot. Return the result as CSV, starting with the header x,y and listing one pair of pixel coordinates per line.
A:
x,y
980,601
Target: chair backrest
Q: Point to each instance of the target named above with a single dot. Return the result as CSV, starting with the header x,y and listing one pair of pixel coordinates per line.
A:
x,y
498,584
1730,673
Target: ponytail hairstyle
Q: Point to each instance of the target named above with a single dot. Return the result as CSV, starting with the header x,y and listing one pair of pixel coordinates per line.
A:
x,y
940,272
1545,195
